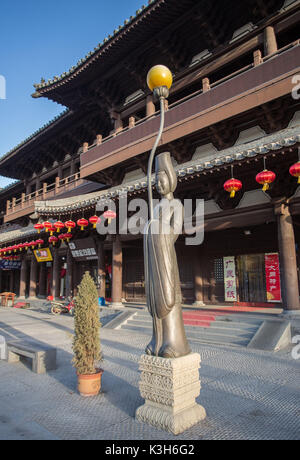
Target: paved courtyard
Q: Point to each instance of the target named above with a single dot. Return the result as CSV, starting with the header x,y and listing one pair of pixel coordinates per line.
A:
x,y
247,394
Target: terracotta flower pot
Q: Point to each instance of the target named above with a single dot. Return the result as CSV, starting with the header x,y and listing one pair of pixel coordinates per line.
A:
x,y
90,385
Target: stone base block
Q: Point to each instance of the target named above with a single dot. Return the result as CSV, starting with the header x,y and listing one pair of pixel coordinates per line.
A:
x,y
170,388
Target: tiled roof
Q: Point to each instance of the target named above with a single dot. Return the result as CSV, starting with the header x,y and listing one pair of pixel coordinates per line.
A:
x,y
16,235
92,55
261,146
11,185
44,127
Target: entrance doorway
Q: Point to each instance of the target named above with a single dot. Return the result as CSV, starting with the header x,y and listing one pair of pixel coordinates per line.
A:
x,y
251,277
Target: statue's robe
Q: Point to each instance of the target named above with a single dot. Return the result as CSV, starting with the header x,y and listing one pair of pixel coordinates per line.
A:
x,y
161,268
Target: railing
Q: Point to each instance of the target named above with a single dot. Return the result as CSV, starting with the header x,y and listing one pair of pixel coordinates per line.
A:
x,y
206,86
47,191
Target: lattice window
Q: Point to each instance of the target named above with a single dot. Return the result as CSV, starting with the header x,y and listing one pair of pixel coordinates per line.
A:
x,y
219,270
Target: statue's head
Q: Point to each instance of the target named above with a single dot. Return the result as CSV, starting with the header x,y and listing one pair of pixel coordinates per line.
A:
x,y
166,179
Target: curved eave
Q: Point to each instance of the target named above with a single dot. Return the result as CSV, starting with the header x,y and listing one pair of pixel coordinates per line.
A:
x,y
103,48
48,126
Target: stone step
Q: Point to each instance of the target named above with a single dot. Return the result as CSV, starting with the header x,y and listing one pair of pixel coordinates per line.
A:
x,y
234,318
199,316
140,320
195,331
203,338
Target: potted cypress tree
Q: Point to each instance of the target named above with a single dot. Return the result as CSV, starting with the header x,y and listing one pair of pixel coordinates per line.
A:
x,y
86,342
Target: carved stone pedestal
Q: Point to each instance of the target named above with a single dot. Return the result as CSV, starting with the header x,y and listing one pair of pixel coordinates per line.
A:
x,y
170,387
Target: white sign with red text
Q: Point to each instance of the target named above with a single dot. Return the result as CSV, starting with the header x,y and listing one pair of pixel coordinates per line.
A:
x,y
230,279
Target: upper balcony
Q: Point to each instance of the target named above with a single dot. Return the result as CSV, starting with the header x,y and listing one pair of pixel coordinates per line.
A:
x,y
24,206
260,82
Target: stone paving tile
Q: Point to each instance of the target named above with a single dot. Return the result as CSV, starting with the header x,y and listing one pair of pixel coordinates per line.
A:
x,y
247,394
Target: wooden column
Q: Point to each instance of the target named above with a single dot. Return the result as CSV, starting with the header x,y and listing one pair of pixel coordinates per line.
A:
x,y
55,275
60,172
37,185
76,277
101,268
270,41
42,280
150,106
117,272
23,277
45,188
69,274
287,257
33,277
28,189
1,274
11,281
198,278
72,168
118,123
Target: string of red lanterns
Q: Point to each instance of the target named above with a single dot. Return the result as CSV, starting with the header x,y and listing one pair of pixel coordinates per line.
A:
x,y
232,186
264,178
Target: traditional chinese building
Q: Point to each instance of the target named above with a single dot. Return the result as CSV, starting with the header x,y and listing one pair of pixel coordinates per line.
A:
x,y
234,108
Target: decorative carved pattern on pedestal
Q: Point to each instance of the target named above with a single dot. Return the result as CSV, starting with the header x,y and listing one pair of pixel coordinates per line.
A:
x,y
170,388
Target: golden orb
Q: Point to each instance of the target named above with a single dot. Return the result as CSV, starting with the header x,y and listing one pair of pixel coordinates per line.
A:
x,y
159,76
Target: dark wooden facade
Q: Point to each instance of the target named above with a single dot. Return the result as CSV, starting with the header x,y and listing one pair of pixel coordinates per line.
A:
x,y
233,66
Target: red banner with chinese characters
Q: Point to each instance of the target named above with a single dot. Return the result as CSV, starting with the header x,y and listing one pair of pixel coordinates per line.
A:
x,y
273,277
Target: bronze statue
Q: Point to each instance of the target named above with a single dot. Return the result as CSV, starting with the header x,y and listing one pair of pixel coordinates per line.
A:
x,y
161,268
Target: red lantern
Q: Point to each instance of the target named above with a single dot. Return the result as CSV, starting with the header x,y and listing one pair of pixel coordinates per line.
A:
x,y
68,236
20,247
265,178
61,237
39,227
47,225
295,171
69,225
232,186
9,249
40,242
59,225
109,215
53,240
52,230
94,220
82,223
27,245
32,244
15,248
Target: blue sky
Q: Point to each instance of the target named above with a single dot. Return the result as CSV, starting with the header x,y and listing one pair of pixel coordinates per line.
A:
x,y
44,39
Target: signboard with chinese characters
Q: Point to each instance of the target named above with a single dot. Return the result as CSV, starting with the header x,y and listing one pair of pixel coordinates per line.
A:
x,y
83,249
229,279
10,264
43,255
273,277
